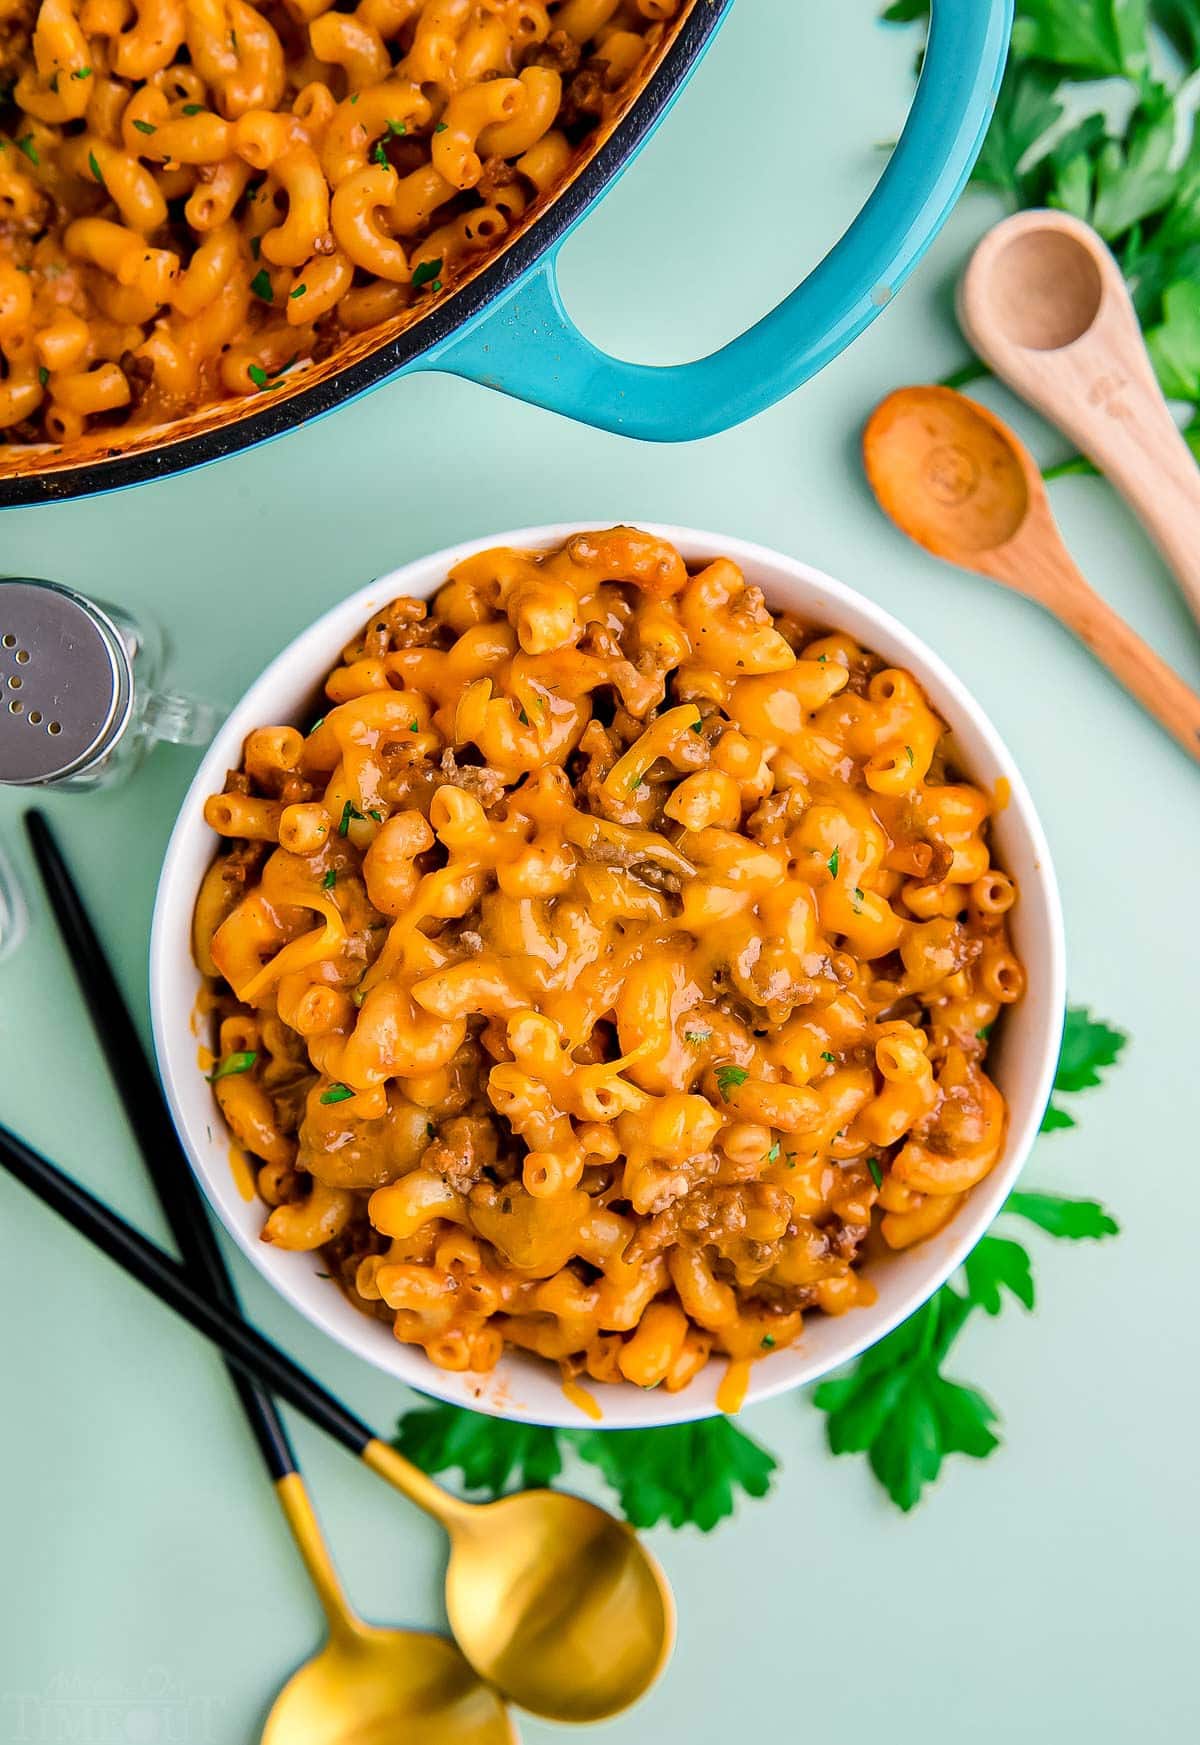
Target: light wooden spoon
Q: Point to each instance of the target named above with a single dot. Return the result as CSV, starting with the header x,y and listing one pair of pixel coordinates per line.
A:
x,y
1044,304
960,483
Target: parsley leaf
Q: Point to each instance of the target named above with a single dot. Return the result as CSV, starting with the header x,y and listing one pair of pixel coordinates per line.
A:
x,y
25,144
696,1038
729,1077
1106,38
492,1454
834,861
1026,110
681,1473
900,1410
875,1171
330,879
1076,1220
336,1094
424,272
1088,1044
349,810
996,1264
94,167
145,127
260,284
1175,343
242,1061
193,109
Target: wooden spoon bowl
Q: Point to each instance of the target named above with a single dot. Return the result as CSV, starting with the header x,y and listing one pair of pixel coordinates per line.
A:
x,y
957,480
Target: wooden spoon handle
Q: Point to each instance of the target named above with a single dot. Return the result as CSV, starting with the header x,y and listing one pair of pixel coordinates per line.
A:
x,y
1132,662
1135,443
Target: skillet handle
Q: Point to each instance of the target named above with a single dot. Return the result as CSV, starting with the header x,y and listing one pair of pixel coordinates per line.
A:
x,y
526,344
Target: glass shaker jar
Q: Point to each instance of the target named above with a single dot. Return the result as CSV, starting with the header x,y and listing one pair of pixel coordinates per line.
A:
x,y
80,697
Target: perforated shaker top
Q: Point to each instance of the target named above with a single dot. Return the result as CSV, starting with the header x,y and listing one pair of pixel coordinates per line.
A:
x,y
65,682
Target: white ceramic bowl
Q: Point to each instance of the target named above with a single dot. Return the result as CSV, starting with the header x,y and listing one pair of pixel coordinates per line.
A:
x,y
1023,1060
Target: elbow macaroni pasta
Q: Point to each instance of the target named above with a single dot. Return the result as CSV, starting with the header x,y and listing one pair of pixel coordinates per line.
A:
x,y
196,195
608,960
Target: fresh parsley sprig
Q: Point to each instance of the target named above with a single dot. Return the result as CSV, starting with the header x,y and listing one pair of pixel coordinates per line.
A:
x,y
683,1474
1132,169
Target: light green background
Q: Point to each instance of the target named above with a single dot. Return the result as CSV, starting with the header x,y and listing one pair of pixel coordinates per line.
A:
x,y
149,1589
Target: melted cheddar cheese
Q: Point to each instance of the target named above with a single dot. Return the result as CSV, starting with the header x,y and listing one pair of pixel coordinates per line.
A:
x,y
605,964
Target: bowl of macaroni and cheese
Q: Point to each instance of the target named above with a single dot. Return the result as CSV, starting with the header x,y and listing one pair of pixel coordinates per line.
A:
x,y
629,971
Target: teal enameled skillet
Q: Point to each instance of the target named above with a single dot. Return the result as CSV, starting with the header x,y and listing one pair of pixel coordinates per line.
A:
x,y
507,327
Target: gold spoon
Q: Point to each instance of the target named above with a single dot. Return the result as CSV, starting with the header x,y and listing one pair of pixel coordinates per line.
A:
x,y
367,1686
957,480
552,1600
1044,303
373,1686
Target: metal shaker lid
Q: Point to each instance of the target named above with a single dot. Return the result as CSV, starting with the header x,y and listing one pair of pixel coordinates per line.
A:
x,y
66,687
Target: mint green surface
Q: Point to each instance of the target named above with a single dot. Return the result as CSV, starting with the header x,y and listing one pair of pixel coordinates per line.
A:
x,y
150,1592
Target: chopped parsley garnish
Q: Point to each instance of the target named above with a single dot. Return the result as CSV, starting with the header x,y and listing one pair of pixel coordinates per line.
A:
x,y
358,996
982,1035
25,144
430,1130
258,376
876,1172
242,1061
94,167
821,659
145,127
256,246
378,816
697,1037
43,374
260,284
773,1154
397,129
349,810
825,1055
298,292
54,82
634,782
356,97
697,727
858,901
82,73
336,1094
729,1077
523,718
768,1343
424,272
330,879
908,752
834,861
414,727
441,127
319,722
380,156
193,108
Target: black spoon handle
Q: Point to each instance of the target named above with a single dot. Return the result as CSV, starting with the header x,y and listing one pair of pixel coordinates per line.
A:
x,y
138,1087
253,1354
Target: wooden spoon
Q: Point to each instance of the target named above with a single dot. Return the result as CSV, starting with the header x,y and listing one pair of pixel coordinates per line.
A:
x,y
1044,303
960,483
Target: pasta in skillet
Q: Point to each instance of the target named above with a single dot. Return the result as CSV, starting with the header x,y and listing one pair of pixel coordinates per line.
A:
x,y
608,960
196,195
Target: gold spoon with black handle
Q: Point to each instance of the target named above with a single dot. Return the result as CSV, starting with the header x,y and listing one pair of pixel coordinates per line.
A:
x,y
366,1683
